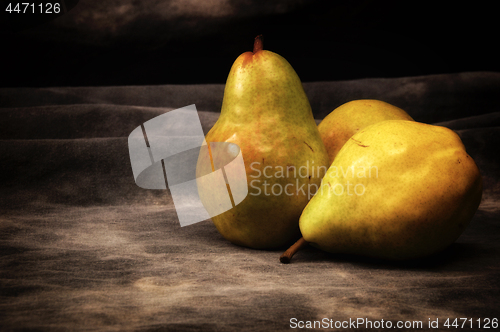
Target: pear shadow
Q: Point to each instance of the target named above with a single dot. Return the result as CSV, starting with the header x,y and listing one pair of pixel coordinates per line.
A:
x,y
456,254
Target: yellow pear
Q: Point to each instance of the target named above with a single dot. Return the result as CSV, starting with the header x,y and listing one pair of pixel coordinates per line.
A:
x,y
396,190
265,111
349,118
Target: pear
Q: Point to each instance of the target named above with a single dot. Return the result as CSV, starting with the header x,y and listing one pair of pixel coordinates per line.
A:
x,y
396,190
265,111
347,119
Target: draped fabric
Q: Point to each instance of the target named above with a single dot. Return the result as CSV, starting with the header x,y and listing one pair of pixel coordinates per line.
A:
x,y
82,245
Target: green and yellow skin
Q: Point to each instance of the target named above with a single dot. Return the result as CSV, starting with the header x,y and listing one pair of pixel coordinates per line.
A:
x,y
351,117
265,111
420,191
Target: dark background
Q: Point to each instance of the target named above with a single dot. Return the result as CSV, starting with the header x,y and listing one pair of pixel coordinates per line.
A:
x,y
82,247
131,42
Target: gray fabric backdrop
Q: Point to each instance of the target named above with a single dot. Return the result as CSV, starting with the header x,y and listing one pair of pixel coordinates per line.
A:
x,y
82,247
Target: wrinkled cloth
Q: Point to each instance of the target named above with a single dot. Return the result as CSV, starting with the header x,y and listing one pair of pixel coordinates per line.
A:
x,y
83,247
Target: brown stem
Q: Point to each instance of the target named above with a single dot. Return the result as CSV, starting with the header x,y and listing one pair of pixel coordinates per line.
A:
x,y
258,44
287,255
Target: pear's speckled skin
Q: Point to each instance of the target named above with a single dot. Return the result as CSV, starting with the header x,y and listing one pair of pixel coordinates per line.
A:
x,y
266,112
349,118
420,197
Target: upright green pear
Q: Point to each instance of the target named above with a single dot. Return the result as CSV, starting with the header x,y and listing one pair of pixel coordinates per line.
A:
x,y
396,190
265,111
353,116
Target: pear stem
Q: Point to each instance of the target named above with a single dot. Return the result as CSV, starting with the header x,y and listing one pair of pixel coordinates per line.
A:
x,y
287,255
258,44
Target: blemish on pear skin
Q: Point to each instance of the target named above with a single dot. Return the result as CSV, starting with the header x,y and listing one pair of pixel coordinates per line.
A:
x,y
308,146
359,143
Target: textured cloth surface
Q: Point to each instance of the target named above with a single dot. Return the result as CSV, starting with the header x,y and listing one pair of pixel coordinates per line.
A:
x,y
82,247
